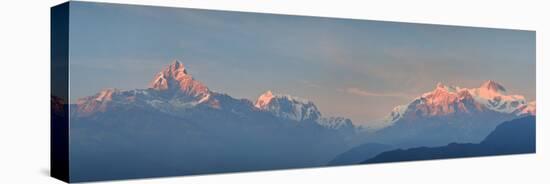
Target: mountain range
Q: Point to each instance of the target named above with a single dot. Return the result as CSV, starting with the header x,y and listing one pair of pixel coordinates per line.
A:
x,y
451,101
173,90
452,114
178,126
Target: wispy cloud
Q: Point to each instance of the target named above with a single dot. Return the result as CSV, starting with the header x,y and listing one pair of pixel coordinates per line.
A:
x,y
366,93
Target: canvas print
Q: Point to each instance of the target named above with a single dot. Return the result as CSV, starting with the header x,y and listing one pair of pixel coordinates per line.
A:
x,y
143,91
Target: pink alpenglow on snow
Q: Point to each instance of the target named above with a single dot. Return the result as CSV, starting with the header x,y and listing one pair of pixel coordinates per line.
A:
x,y
173,81
451,100
264,99
175,76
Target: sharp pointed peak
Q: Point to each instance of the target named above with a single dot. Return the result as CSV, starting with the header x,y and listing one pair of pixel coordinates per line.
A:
x,y
176,62
492,85
175,76
264,99
175,66
489,82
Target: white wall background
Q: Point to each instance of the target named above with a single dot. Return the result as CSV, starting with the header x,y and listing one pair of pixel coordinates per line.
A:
x,y
24,90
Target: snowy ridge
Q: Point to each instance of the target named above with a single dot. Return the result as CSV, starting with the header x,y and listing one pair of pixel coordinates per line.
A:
x,y
335,122
527,109
494,97
396,113
97,103
288,107
298,109
450,100
171,89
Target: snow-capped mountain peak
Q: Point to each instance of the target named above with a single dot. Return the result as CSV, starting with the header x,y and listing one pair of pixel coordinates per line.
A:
x,y
174,77
264,99
288,107
97,103
172,88
175,70
528,109
494,96
106,95
299,109
396,113
449,100
174,91
492,86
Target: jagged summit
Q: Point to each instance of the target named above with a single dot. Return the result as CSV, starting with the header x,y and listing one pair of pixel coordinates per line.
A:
x,y
288,107
451,100
264,99
175,77
171,88
177,65
493,86
97,103
442,88
269,95
299,109
488,90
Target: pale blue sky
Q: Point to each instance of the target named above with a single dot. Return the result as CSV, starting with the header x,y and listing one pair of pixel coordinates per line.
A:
x,y
354,68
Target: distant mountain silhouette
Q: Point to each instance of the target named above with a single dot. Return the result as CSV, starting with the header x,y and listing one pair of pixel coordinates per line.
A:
x,y
511,137
360,153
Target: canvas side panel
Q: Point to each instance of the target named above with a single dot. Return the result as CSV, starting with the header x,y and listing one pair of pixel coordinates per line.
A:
x,y
59,124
